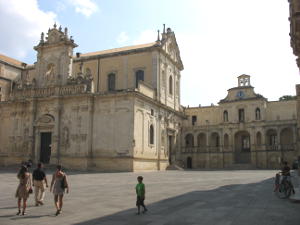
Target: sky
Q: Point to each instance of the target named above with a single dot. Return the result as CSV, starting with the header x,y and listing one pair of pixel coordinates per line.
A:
x,y
218,40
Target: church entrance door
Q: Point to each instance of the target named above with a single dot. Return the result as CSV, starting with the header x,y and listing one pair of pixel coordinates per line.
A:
x,y
170,146
45,147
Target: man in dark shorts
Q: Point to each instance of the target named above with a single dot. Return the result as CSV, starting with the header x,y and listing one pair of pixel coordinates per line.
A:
x,y
38,178
140,194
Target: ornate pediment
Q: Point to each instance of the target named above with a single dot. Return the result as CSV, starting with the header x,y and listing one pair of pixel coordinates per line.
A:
x,y
55,36
170,47
45,119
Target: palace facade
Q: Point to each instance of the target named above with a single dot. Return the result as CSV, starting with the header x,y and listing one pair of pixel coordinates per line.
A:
x,y
244,131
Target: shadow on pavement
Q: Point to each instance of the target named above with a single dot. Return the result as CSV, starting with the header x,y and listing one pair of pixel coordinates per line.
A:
x,y
239,204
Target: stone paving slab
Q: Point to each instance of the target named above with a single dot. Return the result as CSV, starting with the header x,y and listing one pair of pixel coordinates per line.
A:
x,y
173,197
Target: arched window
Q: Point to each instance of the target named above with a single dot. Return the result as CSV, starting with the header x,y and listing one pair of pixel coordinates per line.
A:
x,y
151,131
225,116
189,140
241,115
170,85
139,75
111,82
257,114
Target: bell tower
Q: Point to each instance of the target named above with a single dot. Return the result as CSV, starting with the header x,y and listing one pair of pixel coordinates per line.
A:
x,y
244,80
54,57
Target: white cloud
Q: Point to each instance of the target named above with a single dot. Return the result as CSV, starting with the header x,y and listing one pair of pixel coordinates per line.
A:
x,y
122,38
146,36
85,7
21,24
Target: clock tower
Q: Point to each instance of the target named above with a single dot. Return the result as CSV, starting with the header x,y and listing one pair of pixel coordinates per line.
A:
x,y
54,58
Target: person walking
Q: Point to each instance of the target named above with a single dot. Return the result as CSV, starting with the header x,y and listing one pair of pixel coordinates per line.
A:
x,y
58,185
24,189
140,194
39,179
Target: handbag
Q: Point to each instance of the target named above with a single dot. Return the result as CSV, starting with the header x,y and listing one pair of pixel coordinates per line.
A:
x,y
63,184
30,191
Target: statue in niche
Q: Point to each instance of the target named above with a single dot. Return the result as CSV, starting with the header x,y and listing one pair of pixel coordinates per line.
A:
x,y
50,72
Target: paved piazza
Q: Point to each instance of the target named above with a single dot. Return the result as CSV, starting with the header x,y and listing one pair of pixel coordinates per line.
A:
x,y
172,197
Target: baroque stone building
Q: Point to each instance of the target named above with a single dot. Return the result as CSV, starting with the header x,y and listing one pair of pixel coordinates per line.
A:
x,y
112,110
243,131
119,110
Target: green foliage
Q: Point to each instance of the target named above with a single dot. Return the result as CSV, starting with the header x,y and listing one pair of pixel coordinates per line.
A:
x,y
287,97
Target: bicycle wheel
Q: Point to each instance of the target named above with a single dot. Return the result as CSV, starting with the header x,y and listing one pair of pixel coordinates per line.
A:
x,y
288,189
281,191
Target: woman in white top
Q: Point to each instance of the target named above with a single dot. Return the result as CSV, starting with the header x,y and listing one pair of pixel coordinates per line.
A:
x,y
59,184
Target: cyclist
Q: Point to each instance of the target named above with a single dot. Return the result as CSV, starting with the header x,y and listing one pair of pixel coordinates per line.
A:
x,y
286,175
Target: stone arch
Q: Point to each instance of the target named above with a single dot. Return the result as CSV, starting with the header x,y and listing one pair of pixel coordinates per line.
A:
x,y
272,139
189,140
242,147
286,138
214,141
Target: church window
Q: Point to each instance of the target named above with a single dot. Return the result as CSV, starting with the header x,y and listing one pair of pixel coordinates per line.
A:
x,y
111,82
152,112
177,88
151,131
139,75
257,114
241,115
170,85
225,116
194,120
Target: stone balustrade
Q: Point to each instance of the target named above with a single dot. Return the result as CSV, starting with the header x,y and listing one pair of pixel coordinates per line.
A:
x,y
49,91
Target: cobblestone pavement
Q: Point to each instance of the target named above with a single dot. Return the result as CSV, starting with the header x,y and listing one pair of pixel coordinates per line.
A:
x,y
172,197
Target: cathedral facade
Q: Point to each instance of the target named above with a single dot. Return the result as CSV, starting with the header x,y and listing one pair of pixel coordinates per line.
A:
x,y
119,110
112,110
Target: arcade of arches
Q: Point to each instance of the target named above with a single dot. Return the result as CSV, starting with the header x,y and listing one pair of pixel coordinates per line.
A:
x,y
262,149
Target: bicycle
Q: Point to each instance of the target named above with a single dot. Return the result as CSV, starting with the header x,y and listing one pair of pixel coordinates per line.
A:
x,y
284,188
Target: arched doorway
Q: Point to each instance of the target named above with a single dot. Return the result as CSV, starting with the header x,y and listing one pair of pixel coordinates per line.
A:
x,y
189,163
43,142
189,140
214,141
242,147
287,139
272,140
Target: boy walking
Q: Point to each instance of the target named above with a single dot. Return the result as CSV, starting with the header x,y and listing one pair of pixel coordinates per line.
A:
x,y
140,194
38,178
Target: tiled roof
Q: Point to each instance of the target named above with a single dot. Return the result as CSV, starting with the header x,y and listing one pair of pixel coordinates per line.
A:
x,y
117,50
10,60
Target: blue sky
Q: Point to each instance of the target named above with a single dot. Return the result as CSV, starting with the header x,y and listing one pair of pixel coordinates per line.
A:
x,y
218,40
